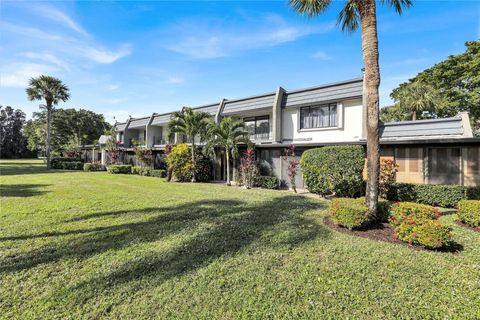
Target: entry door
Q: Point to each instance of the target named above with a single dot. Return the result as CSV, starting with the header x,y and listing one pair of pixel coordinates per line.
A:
x,y
444,166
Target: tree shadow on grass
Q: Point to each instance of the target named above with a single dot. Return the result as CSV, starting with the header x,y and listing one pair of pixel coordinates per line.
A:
x,y
215,228
22,190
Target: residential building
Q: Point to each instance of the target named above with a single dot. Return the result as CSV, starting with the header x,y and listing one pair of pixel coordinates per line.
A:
x,y
440,151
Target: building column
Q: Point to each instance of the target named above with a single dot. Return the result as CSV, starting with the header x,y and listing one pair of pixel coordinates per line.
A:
x,y
218,115
277,115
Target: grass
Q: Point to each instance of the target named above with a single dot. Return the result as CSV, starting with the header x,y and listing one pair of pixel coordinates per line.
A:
x,y
79,245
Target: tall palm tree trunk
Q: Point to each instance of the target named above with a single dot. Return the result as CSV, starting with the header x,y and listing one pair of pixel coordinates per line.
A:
x,y
414,115
49,125
193,160
372,82
227,156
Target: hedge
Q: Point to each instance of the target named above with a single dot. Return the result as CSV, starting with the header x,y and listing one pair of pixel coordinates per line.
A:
x,y
55,162
418,224
149,172
93,166
469,212
350,213
334,170
383,209
432,194
119,169
70,165
267,182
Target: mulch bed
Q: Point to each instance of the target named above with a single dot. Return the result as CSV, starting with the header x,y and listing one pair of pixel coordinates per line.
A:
x,y
384,232
464,225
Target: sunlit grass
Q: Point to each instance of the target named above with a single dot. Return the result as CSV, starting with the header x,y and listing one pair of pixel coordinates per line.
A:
x,y
93,245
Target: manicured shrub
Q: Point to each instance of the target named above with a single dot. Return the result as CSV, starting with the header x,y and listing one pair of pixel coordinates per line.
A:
x,y
388,169
431,234
158,173
249,168
92,166
432,194
469,212
333,170
119,169
180,161
383,213
55,162
268,182
71,165
418,224
412,212
350,213
136,170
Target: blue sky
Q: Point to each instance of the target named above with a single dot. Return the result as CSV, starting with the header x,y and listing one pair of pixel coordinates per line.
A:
x,y
135,58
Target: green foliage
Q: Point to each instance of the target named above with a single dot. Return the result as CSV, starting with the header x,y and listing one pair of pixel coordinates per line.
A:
x,y
383,209
119,169
13,143
56,162
267,182
432,194
93,166
388,169
149,172
180,161
334,170
418,224
350,213
158,173
457,83
69,126
469,212
393,113
71,165
417,100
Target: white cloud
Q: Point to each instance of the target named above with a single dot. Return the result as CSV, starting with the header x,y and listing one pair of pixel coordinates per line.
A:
x,y
18,74
322,55
102,55
56,15
113,87
174,80
47,57
212,39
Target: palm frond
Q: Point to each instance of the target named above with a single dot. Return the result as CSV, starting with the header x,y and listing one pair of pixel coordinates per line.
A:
x,y
398,5
349,17
309,8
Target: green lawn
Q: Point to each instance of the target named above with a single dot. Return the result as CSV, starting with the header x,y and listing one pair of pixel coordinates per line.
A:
x,y
92,245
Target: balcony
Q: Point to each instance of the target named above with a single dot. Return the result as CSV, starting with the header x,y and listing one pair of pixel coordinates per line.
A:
x,y
159,141
261,137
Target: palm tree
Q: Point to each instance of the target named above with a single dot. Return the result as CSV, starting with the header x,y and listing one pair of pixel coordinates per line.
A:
x,y
52,90
355,14
192,124
227,134
416,97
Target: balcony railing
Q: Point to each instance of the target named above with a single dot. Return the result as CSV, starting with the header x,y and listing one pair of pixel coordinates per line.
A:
x,y
261,136
159,141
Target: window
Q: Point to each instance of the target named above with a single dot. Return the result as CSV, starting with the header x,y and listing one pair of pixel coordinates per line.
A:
x,y
258,127
324,116
120,137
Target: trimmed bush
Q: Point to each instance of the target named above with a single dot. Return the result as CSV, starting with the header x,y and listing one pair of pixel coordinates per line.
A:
x,y
469,212
334,170
431,234
267,182
55,162
119,169
350,213
136,169
158,173
71,165
418,224
94,166
383,213
432,194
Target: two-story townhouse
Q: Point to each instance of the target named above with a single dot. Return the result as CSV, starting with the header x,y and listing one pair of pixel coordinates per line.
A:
x,y
427,151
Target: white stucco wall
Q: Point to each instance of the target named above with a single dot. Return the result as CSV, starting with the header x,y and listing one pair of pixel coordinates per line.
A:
x,y
350,125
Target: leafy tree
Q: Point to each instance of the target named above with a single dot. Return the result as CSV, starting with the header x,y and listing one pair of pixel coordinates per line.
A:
x,y
416,98
393,113
52,90
70,129
456,80
192,124
355,14
112,148
13,143
227,134
289,155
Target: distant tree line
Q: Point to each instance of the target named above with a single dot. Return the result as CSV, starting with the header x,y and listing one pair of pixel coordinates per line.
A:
x,y
443,90
70,129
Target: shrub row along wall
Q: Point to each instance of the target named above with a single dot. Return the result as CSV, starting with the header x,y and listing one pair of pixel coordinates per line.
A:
x,y
66,163
469,212
432,194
